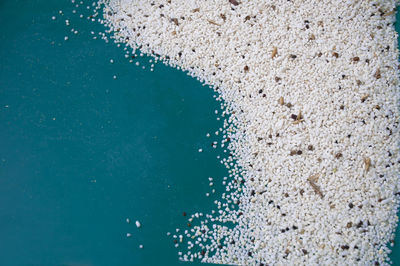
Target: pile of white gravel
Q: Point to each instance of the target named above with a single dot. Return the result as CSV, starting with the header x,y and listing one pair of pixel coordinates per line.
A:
x,y
309,90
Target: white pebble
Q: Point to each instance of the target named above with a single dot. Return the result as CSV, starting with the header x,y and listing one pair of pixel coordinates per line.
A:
x,y
138,224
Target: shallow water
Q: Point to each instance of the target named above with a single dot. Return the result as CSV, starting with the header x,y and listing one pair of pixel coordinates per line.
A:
x,y
81,152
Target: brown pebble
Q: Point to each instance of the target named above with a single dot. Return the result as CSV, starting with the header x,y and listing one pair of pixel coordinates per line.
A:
x,y
293,153
312,37
234,2
305,252
246,68
189,224
367,162
222,16
338,155
356,59
349,224
293,56
184,213
364,98
335,54
274,52
195,10
293,116
277,79
175,20
310,147
345,247
377,74
299,152
281,101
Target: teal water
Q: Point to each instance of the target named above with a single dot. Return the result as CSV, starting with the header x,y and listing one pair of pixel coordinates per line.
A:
x,y
80,152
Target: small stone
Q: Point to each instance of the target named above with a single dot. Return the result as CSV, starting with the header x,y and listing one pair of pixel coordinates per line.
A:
x,y
338,155
234,2
274,52
281,101
138,225
377,74
349,224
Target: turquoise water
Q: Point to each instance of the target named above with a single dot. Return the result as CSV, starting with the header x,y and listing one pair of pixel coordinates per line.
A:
x,y
81,152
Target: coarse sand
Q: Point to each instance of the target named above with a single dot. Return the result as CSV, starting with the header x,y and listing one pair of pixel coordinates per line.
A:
x,y
309,95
